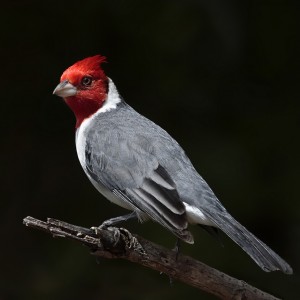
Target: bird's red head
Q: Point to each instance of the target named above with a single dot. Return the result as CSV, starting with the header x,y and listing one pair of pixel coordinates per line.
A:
x,y
84,87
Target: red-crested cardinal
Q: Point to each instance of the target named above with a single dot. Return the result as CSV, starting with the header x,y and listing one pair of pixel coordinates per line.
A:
x,y
137,165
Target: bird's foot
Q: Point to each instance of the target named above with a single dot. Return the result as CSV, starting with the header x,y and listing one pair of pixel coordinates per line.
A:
x,y
116,231
132,242
110,225
129,239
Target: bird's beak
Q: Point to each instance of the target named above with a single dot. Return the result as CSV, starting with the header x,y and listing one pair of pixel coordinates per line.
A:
x,y
65,89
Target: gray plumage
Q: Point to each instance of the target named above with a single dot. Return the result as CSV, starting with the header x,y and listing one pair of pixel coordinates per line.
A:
x,y
130,158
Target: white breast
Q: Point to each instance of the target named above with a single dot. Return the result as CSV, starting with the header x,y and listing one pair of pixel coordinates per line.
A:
x,y
111,102
113,98
80,140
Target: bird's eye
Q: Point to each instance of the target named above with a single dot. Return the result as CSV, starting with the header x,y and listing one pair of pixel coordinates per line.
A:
x,y
86,81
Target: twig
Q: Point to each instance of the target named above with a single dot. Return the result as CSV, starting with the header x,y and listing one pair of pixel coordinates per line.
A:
x,y
120,243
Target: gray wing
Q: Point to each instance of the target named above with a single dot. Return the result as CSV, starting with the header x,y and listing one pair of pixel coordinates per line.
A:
x,y
130,170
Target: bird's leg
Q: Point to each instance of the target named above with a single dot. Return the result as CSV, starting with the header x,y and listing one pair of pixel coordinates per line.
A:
x,y
109,224
177,248
114,221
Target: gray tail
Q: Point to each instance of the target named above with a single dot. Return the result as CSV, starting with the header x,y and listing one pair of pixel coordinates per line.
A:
x,y
265,257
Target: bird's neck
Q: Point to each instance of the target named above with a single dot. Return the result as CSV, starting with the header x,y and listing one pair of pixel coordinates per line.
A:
x,y
83,109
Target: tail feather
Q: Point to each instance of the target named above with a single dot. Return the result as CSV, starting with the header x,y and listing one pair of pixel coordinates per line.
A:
x,y
265,257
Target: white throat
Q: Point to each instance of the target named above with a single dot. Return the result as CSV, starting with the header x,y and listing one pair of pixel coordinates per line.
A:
x,y
112,100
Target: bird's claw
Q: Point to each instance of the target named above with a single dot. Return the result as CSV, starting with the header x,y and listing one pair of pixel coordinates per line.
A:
x,y
116,232
132,242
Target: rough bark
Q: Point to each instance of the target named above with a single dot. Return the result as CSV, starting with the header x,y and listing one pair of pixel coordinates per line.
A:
x,y
120,243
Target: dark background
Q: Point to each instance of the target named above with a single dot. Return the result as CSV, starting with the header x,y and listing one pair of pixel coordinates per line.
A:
x,y
221,76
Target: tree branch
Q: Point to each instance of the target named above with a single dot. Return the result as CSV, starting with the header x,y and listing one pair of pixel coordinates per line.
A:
x,y
120,243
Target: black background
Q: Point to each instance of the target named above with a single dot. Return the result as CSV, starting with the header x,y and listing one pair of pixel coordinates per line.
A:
x,y
221,76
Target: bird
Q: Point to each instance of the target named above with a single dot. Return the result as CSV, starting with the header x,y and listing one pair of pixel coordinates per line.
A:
x,y
137,165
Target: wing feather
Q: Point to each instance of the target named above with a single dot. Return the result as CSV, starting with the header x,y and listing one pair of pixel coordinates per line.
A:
x,y
131,171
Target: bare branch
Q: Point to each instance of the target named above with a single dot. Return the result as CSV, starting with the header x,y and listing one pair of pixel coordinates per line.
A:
x,y
120,243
